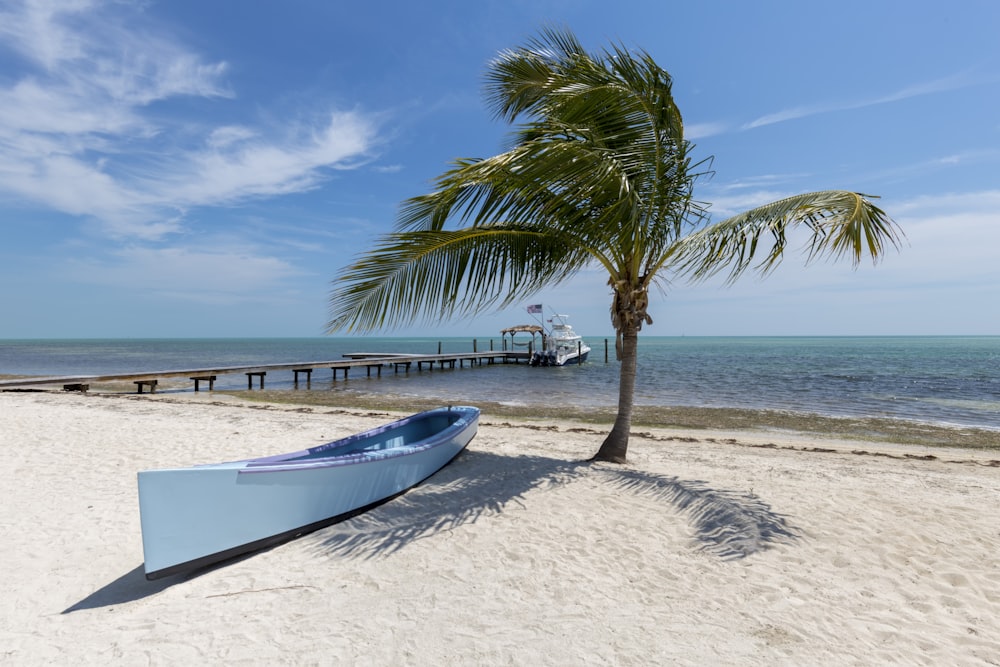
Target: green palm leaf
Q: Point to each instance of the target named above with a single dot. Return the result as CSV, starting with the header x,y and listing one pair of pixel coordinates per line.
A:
x,y
842,224
470,268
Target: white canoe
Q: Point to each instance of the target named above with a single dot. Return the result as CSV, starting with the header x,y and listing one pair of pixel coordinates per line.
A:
x,y
192,517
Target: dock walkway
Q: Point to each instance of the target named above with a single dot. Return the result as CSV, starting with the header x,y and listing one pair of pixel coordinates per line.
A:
x,y
364,360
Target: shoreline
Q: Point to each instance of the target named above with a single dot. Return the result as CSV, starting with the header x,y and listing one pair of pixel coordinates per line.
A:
x,y
871,428
875,429
730,546
689,425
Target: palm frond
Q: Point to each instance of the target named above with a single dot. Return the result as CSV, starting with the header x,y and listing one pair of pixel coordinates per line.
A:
x,y
556,186
842,224
434,275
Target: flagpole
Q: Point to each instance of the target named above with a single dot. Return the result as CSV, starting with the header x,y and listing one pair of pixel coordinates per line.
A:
x,y
534,314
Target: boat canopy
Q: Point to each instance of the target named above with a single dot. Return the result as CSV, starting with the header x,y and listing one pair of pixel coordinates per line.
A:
x,y
525,328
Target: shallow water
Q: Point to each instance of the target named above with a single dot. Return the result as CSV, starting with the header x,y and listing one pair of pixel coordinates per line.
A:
x,y
937,380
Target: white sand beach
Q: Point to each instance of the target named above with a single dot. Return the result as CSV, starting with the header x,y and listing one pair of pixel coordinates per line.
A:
x,y
708,548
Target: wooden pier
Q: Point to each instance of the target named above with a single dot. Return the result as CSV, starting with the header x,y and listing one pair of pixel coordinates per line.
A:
x,y
368,361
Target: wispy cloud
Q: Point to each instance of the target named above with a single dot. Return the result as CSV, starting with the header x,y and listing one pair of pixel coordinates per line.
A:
x,y
216,275
701,130
77,135
927,88
246,165
724,205
984,203
730,198
985,157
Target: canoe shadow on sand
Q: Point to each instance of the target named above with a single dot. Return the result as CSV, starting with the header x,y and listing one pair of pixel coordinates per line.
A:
x,y
727,524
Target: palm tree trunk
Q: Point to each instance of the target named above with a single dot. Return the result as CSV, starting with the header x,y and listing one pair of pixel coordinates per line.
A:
x,y
615,446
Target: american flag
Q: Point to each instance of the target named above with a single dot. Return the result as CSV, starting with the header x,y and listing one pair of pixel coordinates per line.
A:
x,y
535,309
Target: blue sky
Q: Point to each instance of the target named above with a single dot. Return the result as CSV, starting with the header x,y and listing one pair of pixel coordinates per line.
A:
x,y
203,169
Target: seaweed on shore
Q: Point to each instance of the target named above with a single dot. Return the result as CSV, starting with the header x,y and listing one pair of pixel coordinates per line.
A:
x,y
872,429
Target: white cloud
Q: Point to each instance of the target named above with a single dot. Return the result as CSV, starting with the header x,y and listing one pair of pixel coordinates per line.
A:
x,y
105,47
35,29
700,130
708,129
927,88
55,108
222,137
944,279
224,275
243,165
951,238
948,249
732,197
986,203
731,202
76,134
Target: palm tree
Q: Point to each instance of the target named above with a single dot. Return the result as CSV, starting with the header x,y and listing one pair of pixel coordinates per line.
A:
x,y
598,173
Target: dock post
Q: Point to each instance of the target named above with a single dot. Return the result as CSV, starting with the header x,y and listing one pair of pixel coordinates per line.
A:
x,y
308,372
579,352
204,378
139,384
605,350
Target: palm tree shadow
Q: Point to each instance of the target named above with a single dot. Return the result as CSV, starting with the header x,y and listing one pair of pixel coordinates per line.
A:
x,y
726,523
474,485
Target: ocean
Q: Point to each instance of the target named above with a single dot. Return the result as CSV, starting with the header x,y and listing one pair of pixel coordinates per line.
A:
x,y
949,381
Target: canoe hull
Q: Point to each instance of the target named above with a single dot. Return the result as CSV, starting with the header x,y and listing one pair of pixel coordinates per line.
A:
x,y
192,517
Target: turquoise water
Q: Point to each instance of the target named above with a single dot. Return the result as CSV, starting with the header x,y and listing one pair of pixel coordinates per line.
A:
x,y
941,380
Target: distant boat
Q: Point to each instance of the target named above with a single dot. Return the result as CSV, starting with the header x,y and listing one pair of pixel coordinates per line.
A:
x,y
193,517
560,345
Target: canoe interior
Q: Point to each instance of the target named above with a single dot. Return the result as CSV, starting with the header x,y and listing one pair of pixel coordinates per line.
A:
x,y
410,432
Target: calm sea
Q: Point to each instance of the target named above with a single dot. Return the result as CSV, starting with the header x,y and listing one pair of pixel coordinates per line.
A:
x,y
941,380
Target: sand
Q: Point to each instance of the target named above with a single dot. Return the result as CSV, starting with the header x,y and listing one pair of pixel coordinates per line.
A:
x,y
708,548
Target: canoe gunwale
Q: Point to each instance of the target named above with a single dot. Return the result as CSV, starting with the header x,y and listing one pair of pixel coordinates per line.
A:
x,y
291,461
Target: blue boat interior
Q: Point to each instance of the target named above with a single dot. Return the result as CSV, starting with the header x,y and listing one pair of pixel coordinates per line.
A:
x,y
394,436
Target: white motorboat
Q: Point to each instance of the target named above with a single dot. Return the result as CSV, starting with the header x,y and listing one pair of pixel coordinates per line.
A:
x,y
560,345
